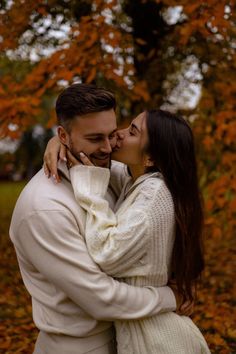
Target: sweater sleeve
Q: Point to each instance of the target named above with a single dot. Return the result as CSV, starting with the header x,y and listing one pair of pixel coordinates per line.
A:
x,y
118,177
115,241
64,262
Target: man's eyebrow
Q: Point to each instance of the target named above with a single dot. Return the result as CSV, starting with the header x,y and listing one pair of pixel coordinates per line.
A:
x,y
98,134
93,134
134,126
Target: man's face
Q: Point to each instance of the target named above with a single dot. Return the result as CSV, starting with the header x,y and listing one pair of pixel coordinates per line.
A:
x,y
93,134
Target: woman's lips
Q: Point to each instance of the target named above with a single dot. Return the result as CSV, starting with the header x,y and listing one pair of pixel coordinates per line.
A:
x,y
116,148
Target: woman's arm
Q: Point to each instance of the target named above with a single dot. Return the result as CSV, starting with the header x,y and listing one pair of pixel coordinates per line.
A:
x,y
54,151
115,241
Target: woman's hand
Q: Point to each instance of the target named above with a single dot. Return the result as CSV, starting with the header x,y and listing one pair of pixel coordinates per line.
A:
x,y
72,161
54,151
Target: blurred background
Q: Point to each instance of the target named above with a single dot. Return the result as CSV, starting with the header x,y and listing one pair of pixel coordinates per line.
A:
x,y
177,55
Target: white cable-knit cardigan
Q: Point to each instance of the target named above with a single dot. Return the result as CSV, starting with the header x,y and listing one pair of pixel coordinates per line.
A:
x,y
135,245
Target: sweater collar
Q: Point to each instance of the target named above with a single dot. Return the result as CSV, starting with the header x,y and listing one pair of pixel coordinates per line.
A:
x,y
130,186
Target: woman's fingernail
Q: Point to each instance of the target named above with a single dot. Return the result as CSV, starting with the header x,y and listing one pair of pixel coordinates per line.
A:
x,y
82,154
65,159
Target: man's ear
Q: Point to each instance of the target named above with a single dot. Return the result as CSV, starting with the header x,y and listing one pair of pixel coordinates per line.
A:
x,y
63,135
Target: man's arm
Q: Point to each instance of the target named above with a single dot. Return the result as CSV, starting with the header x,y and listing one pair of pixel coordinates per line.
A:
x,y
58,252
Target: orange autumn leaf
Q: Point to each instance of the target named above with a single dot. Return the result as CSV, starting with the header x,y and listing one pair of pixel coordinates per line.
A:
x,y
216,232
208,141
91,75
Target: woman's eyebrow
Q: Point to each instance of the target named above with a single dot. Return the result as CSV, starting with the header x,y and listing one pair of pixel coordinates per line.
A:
x,y
134,126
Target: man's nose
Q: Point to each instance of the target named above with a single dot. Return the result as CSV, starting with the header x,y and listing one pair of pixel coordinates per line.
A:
x,y
106,146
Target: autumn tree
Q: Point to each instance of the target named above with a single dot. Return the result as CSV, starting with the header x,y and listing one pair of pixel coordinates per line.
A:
x,y
151,53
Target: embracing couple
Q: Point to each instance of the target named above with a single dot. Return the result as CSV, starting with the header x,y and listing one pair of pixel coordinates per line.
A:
x,y
100,247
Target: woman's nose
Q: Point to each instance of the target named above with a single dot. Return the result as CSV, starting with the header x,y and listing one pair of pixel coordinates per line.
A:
x,y
120,134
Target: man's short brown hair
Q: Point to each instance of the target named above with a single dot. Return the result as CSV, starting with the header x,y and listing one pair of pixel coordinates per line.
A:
x,y
80,99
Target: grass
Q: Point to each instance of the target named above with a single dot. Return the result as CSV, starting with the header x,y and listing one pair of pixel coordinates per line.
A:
x,y
9,192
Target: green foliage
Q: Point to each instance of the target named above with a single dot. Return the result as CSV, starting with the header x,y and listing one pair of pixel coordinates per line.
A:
x,y
9,193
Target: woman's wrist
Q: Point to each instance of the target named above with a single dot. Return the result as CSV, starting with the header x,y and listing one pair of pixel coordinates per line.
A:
x,y
90,180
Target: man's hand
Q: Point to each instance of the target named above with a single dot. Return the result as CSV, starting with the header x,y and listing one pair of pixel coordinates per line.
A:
x,y
183,309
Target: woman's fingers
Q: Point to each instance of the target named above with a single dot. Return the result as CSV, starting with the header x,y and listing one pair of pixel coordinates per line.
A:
x,y
62,153
85,159
73,161
46,170
51,157
48,173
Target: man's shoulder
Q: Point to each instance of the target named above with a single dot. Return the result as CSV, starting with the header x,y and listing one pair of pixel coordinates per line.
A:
x,y
46,199
42,193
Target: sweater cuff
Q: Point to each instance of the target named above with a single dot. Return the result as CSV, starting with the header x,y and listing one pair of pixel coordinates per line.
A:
x,y
168,299
90,179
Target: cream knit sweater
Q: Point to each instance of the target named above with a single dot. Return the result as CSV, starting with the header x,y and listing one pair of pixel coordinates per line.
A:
x,y
135,245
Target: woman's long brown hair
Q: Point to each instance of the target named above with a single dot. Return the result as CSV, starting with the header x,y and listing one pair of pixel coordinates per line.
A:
x,y
171,148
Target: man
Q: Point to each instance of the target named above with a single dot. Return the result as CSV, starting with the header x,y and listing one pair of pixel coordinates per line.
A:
x,y
74,302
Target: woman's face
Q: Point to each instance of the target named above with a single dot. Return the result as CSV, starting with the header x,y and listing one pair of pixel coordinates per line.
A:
x,y
132,146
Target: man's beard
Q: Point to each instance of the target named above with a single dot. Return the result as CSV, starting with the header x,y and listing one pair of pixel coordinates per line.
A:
x,y
94,158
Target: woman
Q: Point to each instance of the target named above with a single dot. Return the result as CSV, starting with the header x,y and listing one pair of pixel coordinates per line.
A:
x,y
155,233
